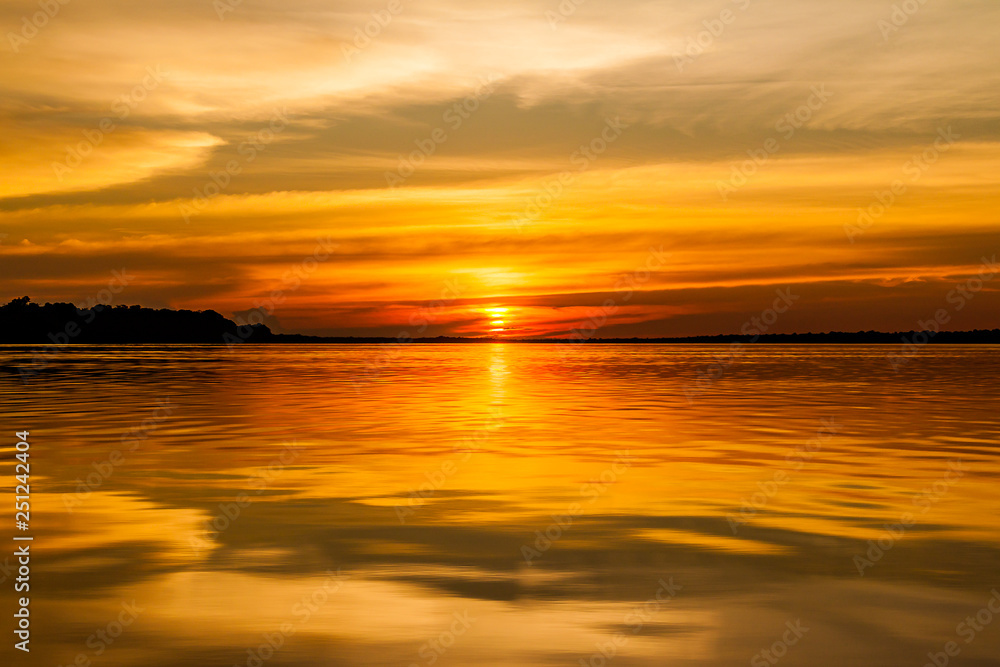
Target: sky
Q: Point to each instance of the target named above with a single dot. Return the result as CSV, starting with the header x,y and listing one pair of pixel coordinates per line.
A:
x,y
526,168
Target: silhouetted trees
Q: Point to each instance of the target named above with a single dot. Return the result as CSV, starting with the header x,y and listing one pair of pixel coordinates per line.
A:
x,y
22,321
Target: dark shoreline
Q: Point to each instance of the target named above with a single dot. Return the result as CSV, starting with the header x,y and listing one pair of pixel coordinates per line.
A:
x,y
912,338
63,324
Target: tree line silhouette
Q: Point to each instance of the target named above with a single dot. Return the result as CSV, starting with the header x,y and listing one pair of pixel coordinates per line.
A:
x,y
25,322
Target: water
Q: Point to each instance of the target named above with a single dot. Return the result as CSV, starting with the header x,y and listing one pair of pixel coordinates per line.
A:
x,y
293,506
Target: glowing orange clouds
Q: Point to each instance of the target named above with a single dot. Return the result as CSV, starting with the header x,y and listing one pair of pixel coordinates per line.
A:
x,y
501,229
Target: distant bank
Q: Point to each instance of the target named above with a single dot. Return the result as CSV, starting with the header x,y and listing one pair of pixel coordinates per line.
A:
x,y
59,324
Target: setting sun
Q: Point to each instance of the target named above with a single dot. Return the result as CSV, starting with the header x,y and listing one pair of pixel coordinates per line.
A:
x,y
497,321
501,334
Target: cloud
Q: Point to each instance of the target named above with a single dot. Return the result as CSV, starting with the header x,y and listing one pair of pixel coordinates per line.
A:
x,y
697,101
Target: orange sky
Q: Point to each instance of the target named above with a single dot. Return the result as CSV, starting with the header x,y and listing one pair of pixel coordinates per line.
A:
x,y
634,168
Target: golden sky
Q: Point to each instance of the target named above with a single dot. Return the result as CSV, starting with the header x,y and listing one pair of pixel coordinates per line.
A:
x,y
526,167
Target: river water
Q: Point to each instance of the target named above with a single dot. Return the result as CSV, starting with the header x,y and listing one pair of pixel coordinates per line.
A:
x,y
506,504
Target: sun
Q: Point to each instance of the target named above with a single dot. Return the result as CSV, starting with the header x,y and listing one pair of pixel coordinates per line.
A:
x,y
497,315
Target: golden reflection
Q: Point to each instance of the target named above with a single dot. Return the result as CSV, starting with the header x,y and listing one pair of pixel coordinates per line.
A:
x,y
594,458
498,372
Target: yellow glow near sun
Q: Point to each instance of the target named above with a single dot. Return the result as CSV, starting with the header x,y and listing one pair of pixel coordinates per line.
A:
x,y
496,315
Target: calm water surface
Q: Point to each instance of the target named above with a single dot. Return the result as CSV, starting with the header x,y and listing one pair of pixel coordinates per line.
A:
x,y
507,505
